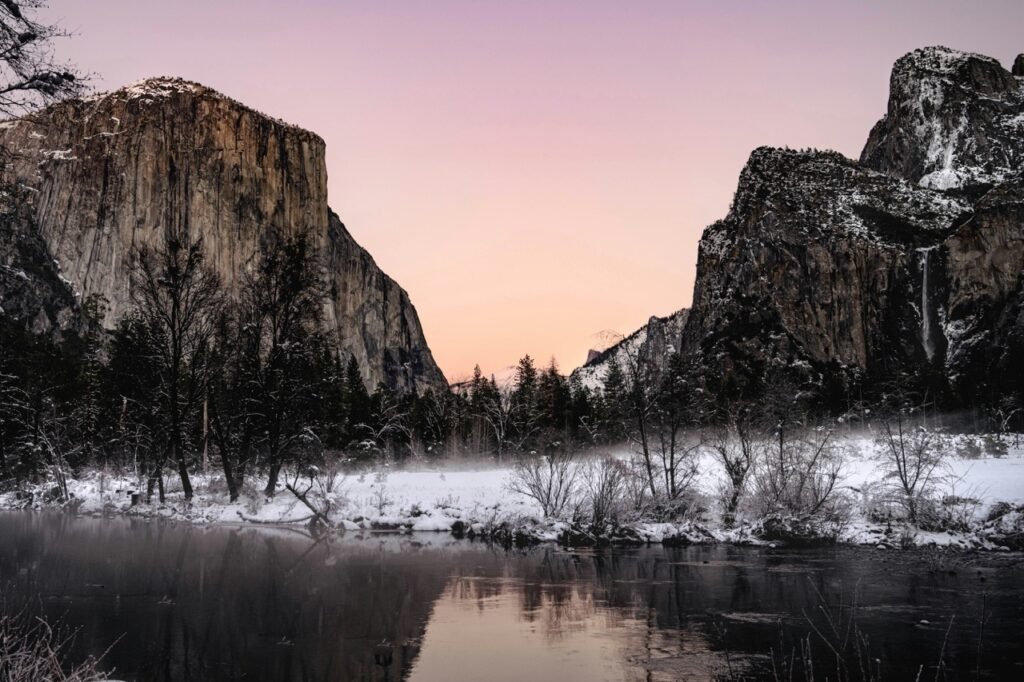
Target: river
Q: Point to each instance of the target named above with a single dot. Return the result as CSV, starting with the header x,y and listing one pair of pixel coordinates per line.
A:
x,y
168,601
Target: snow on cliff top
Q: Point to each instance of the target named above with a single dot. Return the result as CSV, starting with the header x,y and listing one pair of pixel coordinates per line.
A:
x,y
154,89
939,59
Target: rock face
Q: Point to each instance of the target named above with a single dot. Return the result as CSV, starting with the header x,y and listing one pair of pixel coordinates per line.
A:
x,y
33,294
843,272
840,273
954,121
653,343
165,155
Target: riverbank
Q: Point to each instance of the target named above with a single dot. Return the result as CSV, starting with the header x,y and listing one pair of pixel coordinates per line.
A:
x,y
475,500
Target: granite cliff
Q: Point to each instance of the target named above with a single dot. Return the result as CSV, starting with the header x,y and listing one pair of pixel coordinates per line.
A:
x,y
841,273
110,172
651,345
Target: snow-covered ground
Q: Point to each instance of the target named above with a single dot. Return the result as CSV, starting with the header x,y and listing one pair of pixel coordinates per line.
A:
x,y
463,497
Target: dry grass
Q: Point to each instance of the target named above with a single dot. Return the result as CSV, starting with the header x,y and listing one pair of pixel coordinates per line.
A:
x,y
32,651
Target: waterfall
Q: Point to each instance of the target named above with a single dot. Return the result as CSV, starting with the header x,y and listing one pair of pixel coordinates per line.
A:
x,y
926,318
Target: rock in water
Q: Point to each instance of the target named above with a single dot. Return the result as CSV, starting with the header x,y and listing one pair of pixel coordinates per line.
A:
x,y
116,170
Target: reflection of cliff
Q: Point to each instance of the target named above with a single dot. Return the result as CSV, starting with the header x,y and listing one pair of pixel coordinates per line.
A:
x,y
215,604
223,604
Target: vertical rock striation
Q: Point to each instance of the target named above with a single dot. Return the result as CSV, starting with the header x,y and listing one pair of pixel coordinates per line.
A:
x,y
111,172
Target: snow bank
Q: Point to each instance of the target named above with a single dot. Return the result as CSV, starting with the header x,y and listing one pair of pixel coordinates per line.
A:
x,y
477,501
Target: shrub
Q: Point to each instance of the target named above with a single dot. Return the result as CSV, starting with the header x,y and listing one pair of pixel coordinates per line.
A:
x,y
913,463
551,480
30,650
604,487
797,475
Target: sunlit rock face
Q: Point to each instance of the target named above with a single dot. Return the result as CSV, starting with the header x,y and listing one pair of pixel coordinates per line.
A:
x,y
841,272
114,171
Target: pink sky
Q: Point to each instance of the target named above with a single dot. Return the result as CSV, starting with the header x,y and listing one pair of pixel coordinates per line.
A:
x,y
537,172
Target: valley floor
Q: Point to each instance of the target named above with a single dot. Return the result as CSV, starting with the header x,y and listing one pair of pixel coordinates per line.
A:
x,y
984,473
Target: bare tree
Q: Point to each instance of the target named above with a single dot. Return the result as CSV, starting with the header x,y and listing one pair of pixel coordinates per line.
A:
x,y
389,421
635,400
912,461
441,417
550,480
12,406
497,409
177,298
734,446
798,474
675,442
29,74
280,311
604,487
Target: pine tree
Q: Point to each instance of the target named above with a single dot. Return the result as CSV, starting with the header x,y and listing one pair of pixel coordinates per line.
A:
x,y
357,408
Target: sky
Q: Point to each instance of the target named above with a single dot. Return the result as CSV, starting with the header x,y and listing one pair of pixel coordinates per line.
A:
x,y
537,174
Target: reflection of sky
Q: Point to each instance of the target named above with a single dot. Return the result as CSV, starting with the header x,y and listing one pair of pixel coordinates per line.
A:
x,y
557,615
480,630
536,172
272,604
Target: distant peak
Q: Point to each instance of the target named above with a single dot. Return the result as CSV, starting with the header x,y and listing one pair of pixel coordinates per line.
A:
x,y
1018,66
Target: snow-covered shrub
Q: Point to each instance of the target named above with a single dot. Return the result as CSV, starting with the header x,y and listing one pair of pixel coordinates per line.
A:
x,y
957,512
998,509
734,448
551,480
799,530
876,502
797,474
603,492
380,500
1005,526
913,463
906,538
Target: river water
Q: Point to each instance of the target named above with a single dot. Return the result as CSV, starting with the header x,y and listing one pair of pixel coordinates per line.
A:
x,y
171,601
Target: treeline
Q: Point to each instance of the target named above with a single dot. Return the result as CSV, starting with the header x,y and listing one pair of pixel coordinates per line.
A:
x,y
199,374
245,378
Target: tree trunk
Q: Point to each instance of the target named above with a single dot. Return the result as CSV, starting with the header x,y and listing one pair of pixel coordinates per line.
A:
x,y
225,455
156,478
642,427
179,456
229,474
275,471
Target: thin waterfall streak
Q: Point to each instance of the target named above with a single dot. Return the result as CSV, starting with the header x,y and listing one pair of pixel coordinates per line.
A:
x,y
926,318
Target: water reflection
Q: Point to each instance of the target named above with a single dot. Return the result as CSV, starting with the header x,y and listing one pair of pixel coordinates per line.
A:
x,y
187,603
